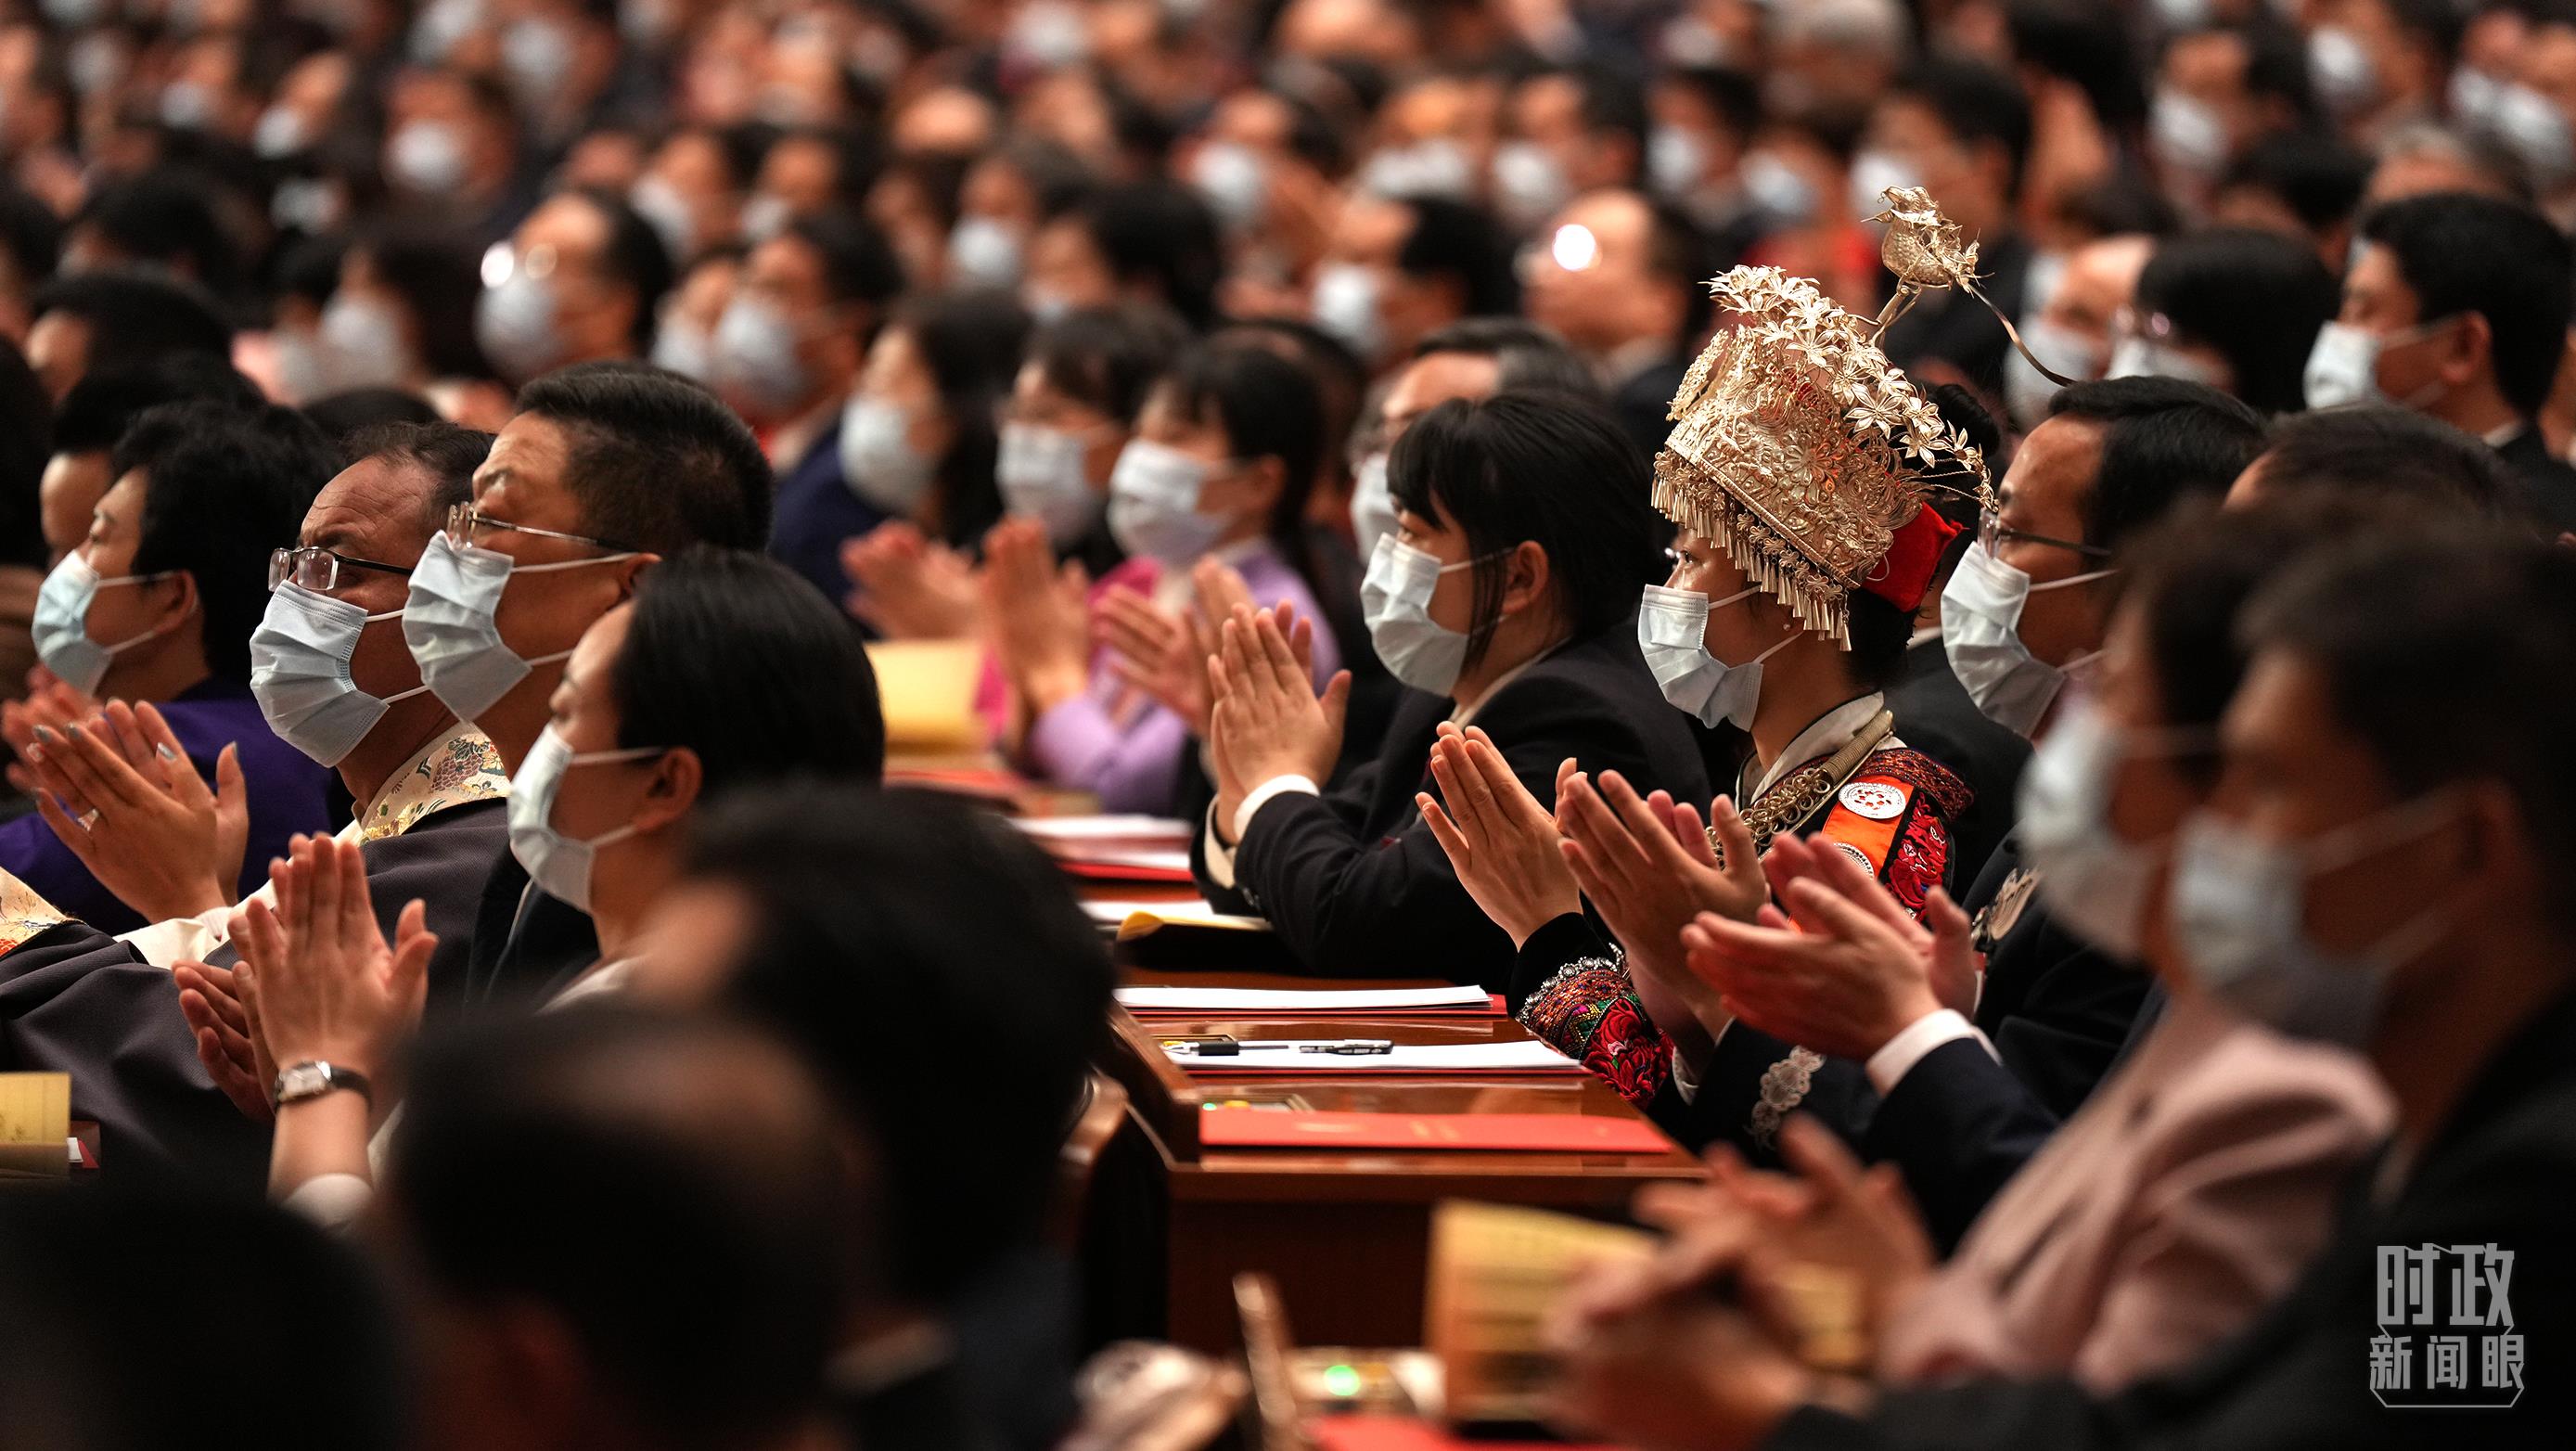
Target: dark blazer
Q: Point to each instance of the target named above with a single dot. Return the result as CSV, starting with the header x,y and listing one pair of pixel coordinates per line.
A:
x,y
1959,1124
1935,716
526,945
1643,401
74,1000
1355,884
2499,1173
1952,327
2548,484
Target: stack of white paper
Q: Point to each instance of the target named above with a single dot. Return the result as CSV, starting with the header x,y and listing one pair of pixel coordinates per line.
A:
x,y
1297,1000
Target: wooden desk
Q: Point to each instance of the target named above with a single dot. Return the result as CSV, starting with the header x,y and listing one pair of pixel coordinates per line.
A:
x,y
1344,1235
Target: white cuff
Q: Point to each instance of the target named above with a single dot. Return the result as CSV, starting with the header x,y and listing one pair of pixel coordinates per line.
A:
x,y
1888,1066
1263,794
180,939
333,1201
1215,854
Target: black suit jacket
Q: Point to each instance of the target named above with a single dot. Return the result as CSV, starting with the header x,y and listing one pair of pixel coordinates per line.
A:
x,y
1960,1124
2499,1173
1935,716
75,1000
1643,401
1355,884
527,945
2548,484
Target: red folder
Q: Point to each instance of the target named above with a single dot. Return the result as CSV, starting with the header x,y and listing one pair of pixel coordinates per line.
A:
x,y
1562,1133
1125,872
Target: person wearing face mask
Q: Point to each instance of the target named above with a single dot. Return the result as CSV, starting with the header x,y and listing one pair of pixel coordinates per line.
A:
x,y
2378,870
722,671
2455,307
1073,408
1622,278
1575,129
1786,632
156,606
2234,309
2220,1143
452,152
1148,242
1505,601
1398,270
1223,457
580,281
2072,332
787,350
918,439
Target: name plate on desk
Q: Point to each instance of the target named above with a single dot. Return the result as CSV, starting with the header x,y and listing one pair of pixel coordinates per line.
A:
x,y
35,1125
1567,1133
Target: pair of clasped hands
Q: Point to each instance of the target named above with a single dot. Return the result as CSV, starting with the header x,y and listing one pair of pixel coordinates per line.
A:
x,y
1800,942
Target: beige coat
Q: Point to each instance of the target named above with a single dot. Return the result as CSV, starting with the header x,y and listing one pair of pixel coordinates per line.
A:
x,y
2186,1195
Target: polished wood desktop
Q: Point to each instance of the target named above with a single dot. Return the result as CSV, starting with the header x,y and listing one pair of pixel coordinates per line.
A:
x,y
1344,1235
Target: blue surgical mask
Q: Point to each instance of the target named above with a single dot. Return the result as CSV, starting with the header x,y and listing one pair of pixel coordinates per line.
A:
x,y
299,673
61,624
2240,917
1672,633
1043,474
450,623
1981,633
558,864
1154,505
1395,596
878,461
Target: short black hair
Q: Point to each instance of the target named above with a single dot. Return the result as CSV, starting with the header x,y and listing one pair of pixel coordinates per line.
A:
x,y
551,1159
26,441
657,462
223,488
2088,44
1612,99
1162,236
1546,468
136,316
167,218
104,403
356,409
436,276
444,454
1107,357
2163,441
859,265
2315,174
2379,448
736,657
1978,103
2257,297
2463,253
635,257
1528,355
1680,254
29,233
1733,94
2191,574
866,899
79,1271
1269,407
1452,239
2452,654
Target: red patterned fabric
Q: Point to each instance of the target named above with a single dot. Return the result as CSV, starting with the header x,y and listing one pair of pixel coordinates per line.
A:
x,y
1905,572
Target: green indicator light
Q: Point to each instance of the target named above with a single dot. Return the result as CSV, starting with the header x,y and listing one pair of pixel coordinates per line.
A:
x,y
1341,1381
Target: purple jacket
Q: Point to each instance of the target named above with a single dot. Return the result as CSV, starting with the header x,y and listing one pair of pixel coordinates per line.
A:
x,y
1126,749
287,794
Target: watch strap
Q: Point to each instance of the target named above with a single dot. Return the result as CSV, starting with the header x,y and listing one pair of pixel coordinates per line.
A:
x,y
313,1078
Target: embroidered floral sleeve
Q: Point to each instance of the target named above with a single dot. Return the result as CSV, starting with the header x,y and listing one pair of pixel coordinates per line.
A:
x,y
1921,855
23,912
1590,1013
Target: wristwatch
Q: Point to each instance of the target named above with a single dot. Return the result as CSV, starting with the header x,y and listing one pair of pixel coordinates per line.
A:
x,y
313,1078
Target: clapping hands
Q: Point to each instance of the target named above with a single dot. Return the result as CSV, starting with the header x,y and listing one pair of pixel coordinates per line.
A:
x,y
317,976
906,587
143,821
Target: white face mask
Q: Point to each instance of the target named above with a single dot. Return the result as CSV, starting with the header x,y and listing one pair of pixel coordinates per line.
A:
x,y
2345,75
1873,175
1235,181
1042,474
2149,358
515,325
660,203
1346,305
1981,633
754,357
1437,167
2028,391
450,624
1672,632
2092,879
878,461
1675,158
1154,505
983,253
299,673
2187,135
558,864
2240,917
61,623
1529,185
427,157
362,344
1395,597
2343,365
1373,511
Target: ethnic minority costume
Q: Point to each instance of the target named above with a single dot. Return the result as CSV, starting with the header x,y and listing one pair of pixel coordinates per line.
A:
x,y
1800,450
